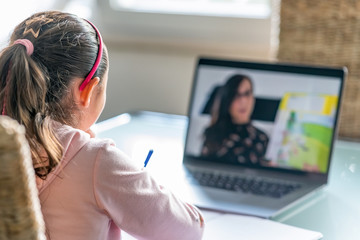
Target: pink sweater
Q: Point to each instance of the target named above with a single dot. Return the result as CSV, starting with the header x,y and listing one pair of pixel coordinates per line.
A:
x,y
97,190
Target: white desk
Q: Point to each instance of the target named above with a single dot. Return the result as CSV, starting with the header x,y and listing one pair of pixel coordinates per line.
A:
x,y
334,211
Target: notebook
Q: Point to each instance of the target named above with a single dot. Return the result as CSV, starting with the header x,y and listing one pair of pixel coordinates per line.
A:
x,y
260,135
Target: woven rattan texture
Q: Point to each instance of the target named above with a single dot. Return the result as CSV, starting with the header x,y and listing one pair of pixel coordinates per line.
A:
x,y
20,213
325,32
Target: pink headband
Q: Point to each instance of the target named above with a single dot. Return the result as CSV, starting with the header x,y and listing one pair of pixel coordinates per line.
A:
x,y
97,61
28,45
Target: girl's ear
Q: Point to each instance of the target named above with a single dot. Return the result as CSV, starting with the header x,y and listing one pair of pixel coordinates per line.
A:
x,y
87,92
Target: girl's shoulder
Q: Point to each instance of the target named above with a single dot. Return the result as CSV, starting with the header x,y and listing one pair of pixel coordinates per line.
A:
x,y
76,142
104,153
104,149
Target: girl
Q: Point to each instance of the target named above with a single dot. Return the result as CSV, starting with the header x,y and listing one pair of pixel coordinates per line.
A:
x,y
53,81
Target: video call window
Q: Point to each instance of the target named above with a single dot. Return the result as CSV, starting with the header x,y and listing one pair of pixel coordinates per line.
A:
x,y
263,118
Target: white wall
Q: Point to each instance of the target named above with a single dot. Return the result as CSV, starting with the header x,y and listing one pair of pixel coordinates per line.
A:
x,y
152,56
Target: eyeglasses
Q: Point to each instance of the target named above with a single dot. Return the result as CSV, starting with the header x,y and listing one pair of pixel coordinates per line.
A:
x,y
97,61
245,94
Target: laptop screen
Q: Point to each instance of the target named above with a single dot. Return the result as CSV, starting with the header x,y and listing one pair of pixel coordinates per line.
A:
x,y
264,114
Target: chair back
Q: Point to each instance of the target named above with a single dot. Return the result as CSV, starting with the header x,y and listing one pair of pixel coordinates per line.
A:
x,y
20,212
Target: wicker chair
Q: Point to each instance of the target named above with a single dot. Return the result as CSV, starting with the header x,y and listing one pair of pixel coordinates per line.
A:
x,y
323,32
20,213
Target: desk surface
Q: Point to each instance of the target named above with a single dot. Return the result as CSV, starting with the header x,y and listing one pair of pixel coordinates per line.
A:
x,y
334,211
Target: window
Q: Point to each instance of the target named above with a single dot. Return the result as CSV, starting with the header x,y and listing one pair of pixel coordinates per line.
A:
x,y
236,27
232,8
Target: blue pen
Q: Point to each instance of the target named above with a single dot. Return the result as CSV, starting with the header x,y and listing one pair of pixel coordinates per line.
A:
x,y
148,157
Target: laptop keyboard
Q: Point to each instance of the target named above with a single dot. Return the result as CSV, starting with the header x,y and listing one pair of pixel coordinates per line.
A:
x,y
256,185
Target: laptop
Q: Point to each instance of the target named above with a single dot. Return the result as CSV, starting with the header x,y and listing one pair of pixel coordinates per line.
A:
x,y
262,158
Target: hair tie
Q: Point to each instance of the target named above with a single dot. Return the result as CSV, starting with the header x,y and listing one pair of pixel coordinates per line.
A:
x,y
28,45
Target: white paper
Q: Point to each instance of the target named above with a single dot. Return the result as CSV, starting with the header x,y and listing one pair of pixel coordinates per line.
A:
x,y
237,227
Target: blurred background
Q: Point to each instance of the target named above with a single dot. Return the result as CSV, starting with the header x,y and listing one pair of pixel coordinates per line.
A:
x,y
154,44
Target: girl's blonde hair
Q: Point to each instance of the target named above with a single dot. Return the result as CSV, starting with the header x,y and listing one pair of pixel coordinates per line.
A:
x,y
34,89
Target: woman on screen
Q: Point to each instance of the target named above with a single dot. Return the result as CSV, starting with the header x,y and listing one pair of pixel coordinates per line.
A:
x,y
231,137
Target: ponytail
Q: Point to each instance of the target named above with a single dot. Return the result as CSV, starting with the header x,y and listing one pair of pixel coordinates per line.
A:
x,y
22,97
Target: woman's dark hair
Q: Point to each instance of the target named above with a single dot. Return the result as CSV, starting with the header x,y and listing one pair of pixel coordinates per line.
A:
x,y
35,89
220,114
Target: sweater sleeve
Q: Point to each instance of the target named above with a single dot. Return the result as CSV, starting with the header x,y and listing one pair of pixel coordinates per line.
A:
x,y
137,204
